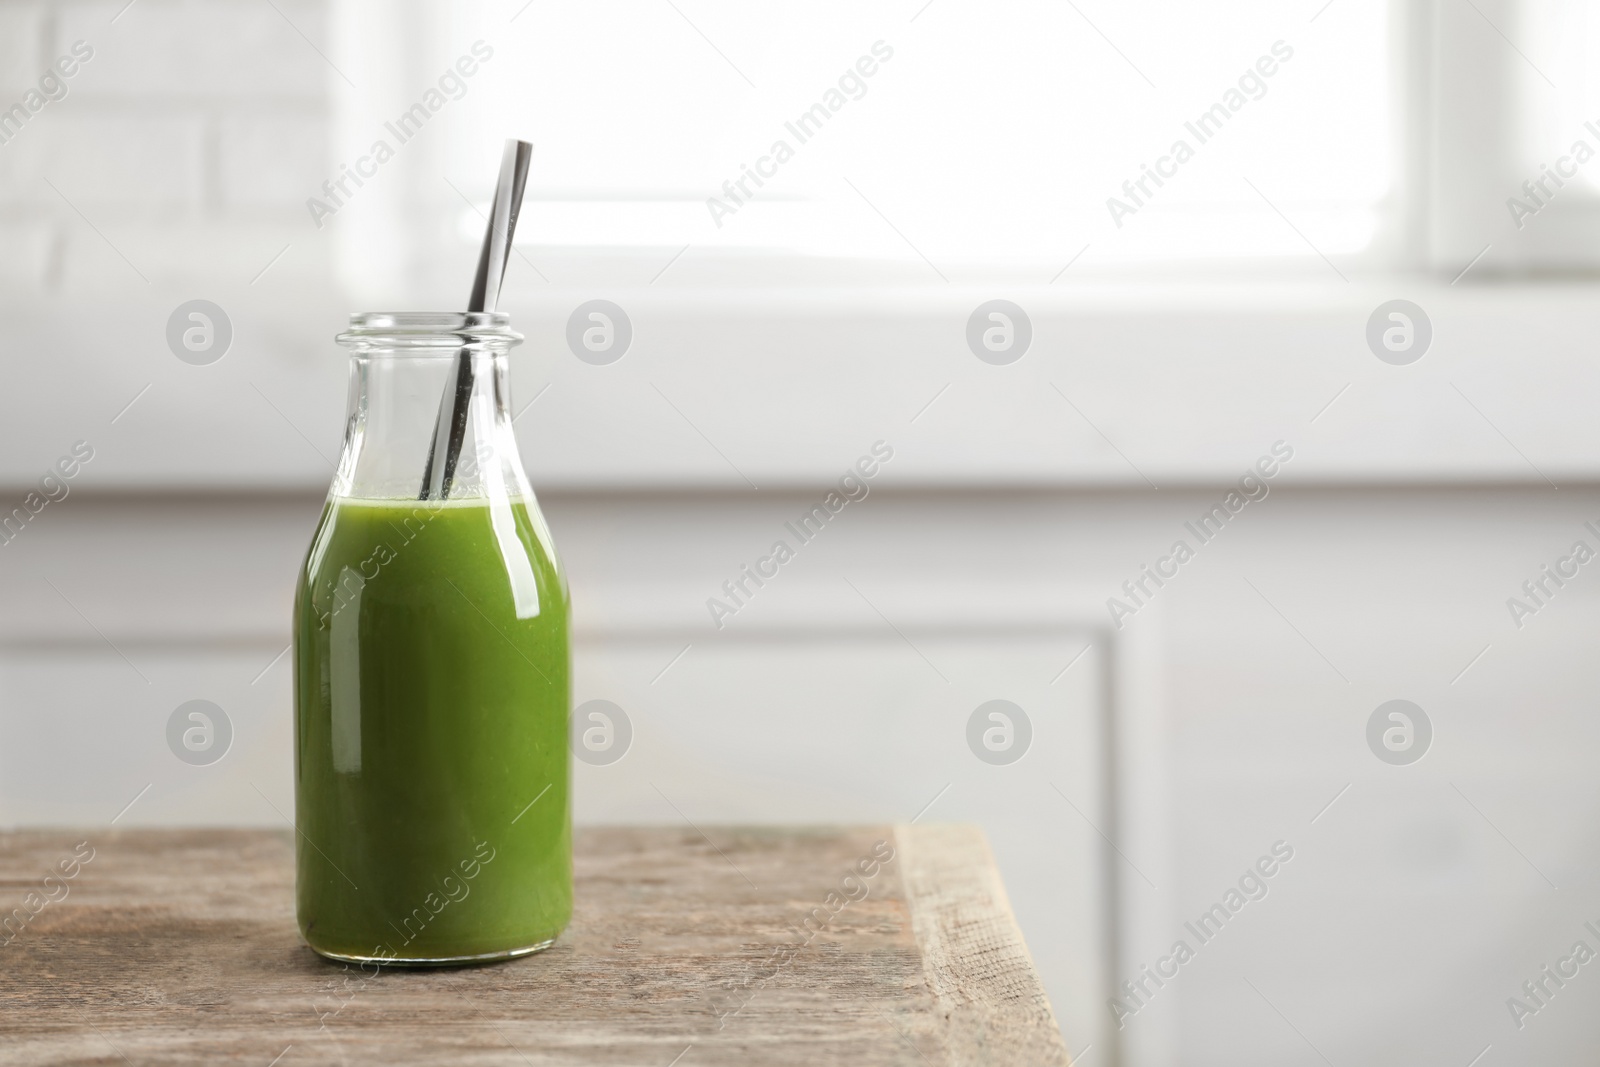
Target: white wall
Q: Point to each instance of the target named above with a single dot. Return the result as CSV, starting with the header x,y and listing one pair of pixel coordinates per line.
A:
x,y
1412,909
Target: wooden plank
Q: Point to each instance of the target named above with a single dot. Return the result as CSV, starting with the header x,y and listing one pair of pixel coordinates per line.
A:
x,y
180,947
987,995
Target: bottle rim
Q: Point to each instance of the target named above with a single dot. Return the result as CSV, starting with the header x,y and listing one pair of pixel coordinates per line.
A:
x,y
424,332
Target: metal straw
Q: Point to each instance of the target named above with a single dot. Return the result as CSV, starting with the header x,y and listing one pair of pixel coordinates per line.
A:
x,y
450,427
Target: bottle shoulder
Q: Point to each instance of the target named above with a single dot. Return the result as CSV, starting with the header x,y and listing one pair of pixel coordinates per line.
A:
x,y
402,549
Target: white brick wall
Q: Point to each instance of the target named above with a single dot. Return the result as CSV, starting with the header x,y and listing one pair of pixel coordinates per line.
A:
x,y
189,141
222,51
110,166
262,161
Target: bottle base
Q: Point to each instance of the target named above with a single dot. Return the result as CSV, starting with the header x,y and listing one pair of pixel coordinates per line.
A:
x,y
436,961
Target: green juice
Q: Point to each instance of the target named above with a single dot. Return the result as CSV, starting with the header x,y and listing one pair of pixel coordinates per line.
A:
x,y
431,758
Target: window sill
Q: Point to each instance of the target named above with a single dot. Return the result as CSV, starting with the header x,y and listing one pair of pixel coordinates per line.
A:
x,y
1124,386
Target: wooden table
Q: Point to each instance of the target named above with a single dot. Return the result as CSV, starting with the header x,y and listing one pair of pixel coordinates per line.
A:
x,y
180,947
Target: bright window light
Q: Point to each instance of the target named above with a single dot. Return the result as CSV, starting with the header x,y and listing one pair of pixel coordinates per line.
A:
x,y
955,136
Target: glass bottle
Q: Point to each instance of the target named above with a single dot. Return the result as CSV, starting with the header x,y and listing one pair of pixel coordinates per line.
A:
x,y
431,666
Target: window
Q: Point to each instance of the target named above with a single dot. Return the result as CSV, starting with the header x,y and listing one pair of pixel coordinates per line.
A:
x,y
938,140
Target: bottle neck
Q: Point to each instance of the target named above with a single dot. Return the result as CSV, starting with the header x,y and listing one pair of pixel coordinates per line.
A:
x,y
430,426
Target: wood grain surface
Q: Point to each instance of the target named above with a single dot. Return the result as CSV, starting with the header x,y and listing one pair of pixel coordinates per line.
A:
x,y
745,946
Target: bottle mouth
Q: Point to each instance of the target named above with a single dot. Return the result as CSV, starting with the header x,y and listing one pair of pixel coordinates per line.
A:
x,y
429,332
